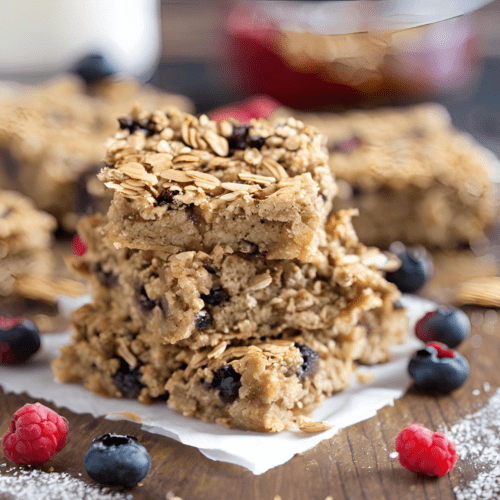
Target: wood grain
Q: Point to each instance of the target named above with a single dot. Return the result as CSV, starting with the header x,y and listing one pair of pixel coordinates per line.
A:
x,y
353,465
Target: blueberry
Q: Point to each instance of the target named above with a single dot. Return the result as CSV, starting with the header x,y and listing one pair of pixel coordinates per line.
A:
x,y
416,267
450,326
117,460
166,198
107,278
19,340
147,304
228,382
203,320
216,296
435,369
127,380
241,139
310,364
93,68
145,126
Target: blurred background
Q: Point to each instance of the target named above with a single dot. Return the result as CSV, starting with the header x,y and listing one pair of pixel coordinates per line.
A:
x,y
211,53
221,52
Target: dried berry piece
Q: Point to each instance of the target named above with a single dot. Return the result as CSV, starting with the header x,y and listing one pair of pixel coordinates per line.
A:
x,y
203,320
347,146
146,304
147,127
127,380
227,381
216,296
19,340
241,139
165,198
117,460
310,364
93,68
437,369
107,278
447,325
416,267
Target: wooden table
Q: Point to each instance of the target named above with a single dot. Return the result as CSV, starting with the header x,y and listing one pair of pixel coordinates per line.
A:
x,y
354,465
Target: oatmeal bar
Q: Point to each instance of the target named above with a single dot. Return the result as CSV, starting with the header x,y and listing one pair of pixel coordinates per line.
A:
x,y
25,238
52,139
268,385
412,175
202,299
187,183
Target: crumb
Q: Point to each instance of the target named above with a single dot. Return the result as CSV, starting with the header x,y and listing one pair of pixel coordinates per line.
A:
x,y
365,376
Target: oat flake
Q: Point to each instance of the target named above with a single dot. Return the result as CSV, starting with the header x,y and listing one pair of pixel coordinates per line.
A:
x,y
38,485
477,439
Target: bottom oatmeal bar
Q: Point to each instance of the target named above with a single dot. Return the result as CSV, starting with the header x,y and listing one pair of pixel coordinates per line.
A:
x,y
268,385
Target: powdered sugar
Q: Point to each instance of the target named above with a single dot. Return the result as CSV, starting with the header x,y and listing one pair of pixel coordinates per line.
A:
x,y
477,439
38,485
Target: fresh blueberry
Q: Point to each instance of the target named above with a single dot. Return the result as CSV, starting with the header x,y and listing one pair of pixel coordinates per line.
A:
x,y
228,382
450,326
435,369
416,267
93,68
310,364
19,340
117,460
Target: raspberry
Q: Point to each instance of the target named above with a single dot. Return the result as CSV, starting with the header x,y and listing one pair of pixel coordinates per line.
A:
x,y
425,452
78,246
35,435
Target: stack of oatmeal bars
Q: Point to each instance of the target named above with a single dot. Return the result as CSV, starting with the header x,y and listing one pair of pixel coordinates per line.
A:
x,y
221,281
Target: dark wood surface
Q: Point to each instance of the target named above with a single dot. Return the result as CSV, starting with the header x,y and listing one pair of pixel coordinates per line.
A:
x,y
353,465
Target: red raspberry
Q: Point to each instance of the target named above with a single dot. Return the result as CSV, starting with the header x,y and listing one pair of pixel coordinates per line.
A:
x,y
442,352
426,452
35,435
78,246
423,333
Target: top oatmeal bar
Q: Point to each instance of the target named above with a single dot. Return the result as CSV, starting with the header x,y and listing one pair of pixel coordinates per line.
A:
x,y
188,183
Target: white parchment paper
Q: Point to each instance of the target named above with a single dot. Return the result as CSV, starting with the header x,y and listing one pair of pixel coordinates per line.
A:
x,y
258,452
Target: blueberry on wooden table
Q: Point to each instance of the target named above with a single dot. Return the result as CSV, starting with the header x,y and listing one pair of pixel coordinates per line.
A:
x,y
19,340
447,325
416,267
436,369
117,460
